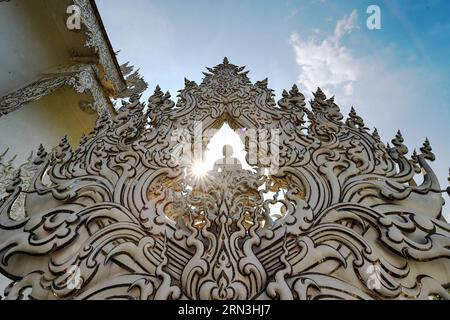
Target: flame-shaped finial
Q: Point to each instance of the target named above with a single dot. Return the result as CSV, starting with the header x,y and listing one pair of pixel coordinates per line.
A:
x,y
427,150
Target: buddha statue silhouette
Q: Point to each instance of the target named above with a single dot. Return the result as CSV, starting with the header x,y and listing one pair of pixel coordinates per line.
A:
x,y
228,163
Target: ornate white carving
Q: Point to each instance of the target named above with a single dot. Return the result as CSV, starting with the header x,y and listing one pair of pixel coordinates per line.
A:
x,y
97,41
86,79
35,91
354,223
135,82
82,77
8,172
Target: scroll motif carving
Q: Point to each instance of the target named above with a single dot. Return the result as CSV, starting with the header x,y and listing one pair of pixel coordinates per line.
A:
x,y
35,91
81,77
97,41
8,172
123,209
86,77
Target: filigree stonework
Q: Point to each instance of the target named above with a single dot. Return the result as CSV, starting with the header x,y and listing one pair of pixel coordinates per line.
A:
x,y
126,213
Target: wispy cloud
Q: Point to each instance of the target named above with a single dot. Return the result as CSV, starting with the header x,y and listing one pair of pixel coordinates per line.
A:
x,y
387,94
327,63
345,26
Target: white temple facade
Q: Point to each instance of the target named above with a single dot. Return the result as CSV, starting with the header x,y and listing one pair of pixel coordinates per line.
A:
x,y
59,72
116,203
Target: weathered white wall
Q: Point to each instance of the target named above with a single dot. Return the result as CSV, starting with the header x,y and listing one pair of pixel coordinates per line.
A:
x,y
45,121
34,38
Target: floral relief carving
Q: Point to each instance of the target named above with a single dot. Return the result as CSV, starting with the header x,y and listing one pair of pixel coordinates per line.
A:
x,y
86,77
131,218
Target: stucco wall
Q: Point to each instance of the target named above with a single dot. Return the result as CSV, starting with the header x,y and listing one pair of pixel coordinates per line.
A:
x,y
45,121
34,38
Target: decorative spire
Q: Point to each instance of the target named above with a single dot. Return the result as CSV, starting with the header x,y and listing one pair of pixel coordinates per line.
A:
x,y
262,84
414,157
398,140
448,179
41,150
292,99
135,97
225,78
293,102
354,120
399,149
375,134
40,155
157,94
296,97
319,94
427,150
6,166
136,84
83,139
415,162
15,182
64,141
126,68
63,149
159,103
101,122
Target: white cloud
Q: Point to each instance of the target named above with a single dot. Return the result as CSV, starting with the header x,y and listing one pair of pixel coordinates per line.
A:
x,y
327,63
345,26
386,93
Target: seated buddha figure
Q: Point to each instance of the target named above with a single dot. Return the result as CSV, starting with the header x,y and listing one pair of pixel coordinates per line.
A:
x,y
228,163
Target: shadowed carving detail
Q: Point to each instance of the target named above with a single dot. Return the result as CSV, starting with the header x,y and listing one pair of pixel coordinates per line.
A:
x,y
126,213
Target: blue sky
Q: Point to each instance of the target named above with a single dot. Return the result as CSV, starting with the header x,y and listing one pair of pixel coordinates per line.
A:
x,y
397,77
